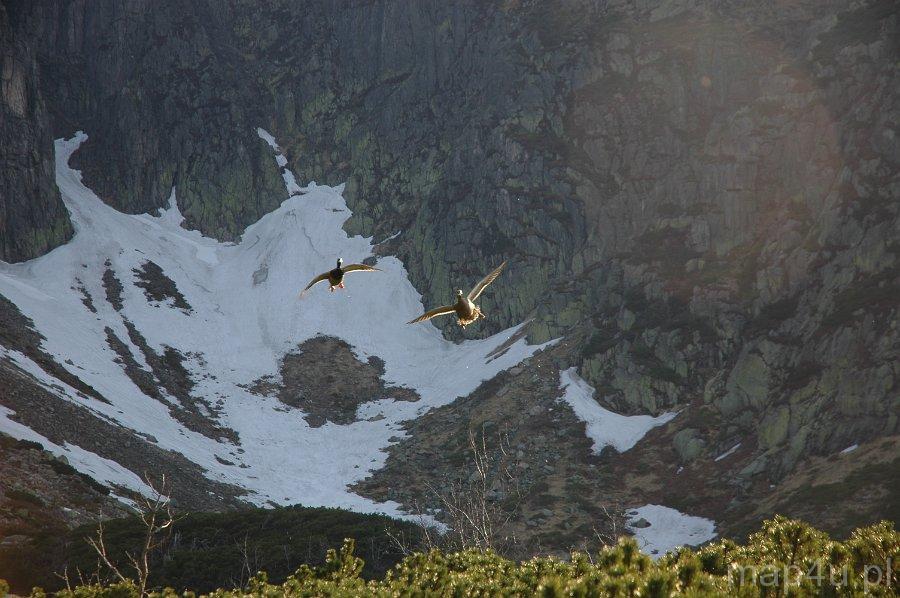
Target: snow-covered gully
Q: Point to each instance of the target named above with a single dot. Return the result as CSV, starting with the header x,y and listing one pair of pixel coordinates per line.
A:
x,y
244,317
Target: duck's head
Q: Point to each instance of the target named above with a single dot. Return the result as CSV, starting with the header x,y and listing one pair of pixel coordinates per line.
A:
x,y
340,262
459,292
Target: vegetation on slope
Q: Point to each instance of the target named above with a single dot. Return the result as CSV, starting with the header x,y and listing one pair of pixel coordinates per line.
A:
x,y
204,551
784,558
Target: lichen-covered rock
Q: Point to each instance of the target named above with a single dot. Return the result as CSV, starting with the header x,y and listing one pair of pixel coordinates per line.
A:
x,y
688,444
773,429
748,384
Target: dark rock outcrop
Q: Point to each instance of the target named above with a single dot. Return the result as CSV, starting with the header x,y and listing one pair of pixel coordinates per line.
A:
x,y
329,383
33,219
165,100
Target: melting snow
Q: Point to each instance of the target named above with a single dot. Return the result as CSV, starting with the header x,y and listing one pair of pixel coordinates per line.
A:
x,y
241,325
850,449
604,427
102,470
728,452
668,529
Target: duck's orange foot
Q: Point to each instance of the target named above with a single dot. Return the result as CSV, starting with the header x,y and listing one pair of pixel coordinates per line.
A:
x,y
341,286
331,289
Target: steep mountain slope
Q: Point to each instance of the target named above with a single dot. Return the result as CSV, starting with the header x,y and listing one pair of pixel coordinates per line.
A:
x,y
699,197
132,315
40,499
158,88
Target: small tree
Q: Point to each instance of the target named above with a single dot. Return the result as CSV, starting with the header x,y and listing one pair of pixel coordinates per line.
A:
x,y
251,563
612,514
476,515
473,507
157,517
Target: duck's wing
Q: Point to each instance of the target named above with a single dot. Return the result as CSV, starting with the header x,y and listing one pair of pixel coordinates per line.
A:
x,y
359,268
479,288
438,311
314,282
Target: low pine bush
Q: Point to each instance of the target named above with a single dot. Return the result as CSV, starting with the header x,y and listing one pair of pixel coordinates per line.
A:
x,y
784,558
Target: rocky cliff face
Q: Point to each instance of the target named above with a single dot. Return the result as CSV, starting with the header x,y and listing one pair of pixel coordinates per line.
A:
x,y
752,229
701,196
32,216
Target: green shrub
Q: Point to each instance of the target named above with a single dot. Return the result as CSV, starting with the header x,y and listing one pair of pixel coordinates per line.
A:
x,y
23,496
211,550
785,558
29,444
116,590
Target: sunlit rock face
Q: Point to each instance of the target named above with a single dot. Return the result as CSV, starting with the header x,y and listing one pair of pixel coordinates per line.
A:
x,y
559,133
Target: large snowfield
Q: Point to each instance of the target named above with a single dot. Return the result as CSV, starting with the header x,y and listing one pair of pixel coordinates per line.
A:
x,y
246,315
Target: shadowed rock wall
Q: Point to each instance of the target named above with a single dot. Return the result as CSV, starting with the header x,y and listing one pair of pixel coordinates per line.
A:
x,y
32,216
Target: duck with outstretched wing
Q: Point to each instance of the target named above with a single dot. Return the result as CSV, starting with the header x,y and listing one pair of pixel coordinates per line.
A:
x,y
335,277
465,309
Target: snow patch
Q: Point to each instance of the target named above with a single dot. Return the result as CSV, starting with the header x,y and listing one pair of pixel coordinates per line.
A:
x,y
667,529
850,449
240,328
103,470
603,426
729,452
290,180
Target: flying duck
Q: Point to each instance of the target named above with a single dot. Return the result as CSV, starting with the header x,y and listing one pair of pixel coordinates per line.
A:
x,y
465,309
335,277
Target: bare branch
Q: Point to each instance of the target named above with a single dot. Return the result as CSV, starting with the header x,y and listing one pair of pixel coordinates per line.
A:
x,y
157,518
472,507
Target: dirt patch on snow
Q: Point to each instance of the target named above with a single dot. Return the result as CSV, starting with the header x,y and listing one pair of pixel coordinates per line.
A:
x,y
159,287
168,379
17,333
328,382
113,287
